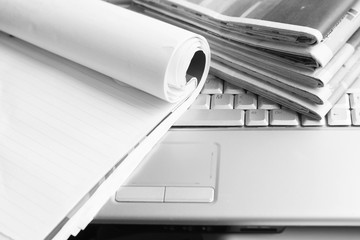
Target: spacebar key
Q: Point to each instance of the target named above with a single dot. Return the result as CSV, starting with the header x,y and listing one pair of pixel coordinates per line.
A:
x,y
213,117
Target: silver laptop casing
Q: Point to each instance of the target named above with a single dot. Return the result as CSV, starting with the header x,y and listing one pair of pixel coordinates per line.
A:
x,y
260,177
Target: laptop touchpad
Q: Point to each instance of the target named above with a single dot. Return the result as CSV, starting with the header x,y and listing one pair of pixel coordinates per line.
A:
x,y
173,173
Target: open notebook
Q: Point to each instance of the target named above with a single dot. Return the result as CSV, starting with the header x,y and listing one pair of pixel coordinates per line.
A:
x,y
72,127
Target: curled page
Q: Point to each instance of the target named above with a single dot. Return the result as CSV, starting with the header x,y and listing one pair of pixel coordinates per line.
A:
x,y
148,54
69,133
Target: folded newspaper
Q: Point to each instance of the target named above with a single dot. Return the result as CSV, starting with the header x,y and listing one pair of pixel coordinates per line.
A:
x,y
289,79
273,63
307,33
286,98
331,75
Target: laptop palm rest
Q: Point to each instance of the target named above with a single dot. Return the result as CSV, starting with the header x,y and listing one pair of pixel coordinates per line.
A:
x,y
174,174
263,178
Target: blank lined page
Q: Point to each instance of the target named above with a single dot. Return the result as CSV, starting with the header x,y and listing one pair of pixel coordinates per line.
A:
x,y
62,127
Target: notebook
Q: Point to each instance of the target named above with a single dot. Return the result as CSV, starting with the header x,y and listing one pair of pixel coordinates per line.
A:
x,y
236,162
77,115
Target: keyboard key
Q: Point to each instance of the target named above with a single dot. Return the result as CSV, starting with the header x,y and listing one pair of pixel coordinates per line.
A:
x,y
213,85
283,117
355,116
232,89
216,117
201,102
245,101
264,103
309,122
339,117
355,87
355,100
257,117
222,101
343,102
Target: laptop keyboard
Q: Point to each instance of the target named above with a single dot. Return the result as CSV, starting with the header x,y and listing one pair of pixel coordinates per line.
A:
x,y
223,104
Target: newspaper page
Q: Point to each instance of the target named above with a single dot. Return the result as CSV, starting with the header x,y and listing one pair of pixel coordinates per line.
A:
x,y
312,56
87,89
271,71
304,21
125,66
315,95
281,96
316,78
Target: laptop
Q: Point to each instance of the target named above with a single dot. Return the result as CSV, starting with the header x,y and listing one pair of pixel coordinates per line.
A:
x,y
246,164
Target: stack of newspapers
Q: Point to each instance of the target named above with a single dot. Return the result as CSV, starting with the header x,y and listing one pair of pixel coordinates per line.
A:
x,y
303,54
